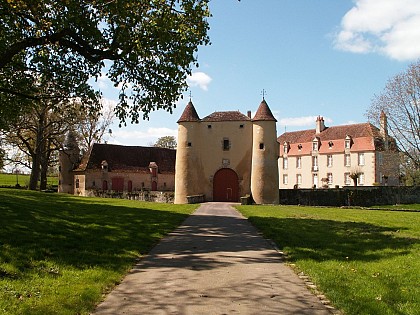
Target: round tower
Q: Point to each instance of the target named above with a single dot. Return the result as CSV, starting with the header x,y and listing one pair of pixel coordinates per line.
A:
x,y
265,150
187,155
68,158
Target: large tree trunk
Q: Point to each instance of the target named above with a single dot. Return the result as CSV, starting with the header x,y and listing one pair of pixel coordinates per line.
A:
x,y
33,180
37,156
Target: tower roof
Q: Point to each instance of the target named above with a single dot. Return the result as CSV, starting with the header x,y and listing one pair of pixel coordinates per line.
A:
x,y
189,114
226,116
264,112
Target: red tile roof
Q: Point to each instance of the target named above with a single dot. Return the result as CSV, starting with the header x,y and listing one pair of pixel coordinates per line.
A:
x,y
128,158
263,113
365,137
189,114
226,116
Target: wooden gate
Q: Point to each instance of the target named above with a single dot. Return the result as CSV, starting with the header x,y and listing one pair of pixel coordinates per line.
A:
x,y
225,186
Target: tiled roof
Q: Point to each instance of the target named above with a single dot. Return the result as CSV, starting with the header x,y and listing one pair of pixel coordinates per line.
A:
x,y
365,137
128,158
263,113
226,116
189,114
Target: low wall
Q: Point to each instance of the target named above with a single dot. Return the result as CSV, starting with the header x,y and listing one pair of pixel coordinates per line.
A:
x,y
153,196
351,196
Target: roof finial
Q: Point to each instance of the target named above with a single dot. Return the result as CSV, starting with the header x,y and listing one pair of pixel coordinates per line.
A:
x,y
263,93
190,95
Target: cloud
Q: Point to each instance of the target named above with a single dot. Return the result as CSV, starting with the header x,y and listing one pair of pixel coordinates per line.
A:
x,y
389,27
199,79
140,137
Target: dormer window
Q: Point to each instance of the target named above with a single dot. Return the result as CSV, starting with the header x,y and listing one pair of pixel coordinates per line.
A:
x,y
285,147
347,142
104,165
315,144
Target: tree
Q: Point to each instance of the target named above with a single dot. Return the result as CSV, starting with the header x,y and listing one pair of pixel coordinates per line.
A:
x,y
146,48
400,102
166,142
354,175
91,128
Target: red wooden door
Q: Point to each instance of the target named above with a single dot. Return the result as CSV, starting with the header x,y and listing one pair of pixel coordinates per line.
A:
x,y
154,186
225,185
118,184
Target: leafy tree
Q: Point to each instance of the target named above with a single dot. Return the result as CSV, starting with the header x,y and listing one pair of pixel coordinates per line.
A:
x,y
166,142
400,102
146,48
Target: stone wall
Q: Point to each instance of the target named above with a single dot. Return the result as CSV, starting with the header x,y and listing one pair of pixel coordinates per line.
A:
x,y
153,196
351,196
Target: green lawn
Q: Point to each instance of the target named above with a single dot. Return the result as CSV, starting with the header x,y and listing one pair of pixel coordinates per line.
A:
x,y
60,253
365,261
22,179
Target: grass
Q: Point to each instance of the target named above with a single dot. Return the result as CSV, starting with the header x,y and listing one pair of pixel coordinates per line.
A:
x,y
414,207
59,254
23,180
365,261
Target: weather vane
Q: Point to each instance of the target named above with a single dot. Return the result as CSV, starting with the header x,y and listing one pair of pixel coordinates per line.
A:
x,y
190,95
263,93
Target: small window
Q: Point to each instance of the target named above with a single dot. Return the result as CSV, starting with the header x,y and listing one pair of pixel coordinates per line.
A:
x,y
241,126
347,160
285,163
285,179
261,146
330,178
315,146
347,179
299,147
361,179
77,183
299,179
329,160
93,184
142,184
209,126
189,144
330,144
361,159
226,144
299,162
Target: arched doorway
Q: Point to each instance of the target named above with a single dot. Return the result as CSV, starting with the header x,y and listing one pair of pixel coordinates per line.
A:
x,y
225,185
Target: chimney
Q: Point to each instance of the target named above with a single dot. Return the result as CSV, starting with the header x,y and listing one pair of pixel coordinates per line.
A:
x,y
320,126
384,128
249,114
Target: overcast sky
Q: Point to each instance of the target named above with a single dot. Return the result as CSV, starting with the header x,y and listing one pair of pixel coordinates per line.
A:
x,y
325,57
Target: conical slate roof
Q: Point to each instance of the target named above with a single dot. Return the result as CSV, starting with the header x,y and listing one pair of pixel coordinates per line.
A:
x,y
189,114
263,112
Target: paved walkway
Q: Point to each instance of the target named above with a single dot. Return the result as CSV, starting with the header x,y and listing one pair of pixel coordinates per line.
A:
x,y
214,263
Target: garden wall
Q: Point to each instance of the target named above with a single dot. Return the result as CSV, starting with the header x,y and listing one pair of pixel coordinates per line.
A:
x,y
144,195
351,196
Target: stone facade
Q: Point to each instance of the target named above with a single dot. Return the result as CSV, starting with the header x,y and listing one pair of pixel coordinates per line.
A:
x,y
326,157
227,155
118,168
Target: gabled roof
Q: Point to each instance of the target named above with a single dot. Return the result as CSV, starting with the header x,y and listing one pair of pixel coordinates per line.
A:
x,y
365,137
226,116
128,158
264,113
189,114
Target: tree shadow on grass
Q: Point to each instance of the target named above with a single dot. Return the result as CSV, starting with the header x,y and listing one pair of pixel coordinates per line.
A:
x,y
80,233
323,240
